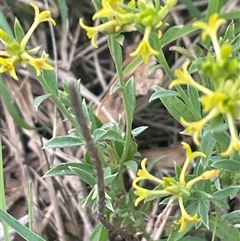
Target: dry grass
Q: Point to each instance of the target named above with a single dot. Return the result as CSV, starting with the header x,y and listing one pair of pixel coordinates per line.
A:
x,y
57,212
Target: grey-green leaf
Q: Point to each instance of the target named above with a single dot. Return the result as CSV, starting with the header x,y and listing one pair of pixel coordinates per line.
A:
x,y
84,175
18,31
228,165
64,141
39,99
66,169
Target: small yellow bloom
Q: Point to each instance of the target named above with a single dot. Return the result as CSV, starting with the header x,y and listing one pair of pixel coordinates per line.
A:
x,y
144,174
143,193
207,175
144,48
108,27
185,218
184,78
211,27
189,157
40,63
7,66
194,128
106,11
39,18
43,16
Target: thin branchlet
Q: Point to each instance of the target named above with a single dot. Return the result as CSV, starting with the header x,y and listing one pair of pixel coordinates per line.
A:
x,y
97,163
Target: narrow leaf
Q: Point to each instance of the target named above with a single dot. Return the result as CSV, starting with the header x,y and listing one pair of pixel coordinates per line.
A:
x,y
66,169
228,165
64,141
22,230
18,31
39,99
163,93
130,91
85,176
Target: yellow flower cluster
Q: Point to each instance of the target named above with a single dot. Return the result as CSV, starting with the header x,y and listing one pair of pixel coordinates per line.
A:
x,y
222,97
15,50
119,17
171,187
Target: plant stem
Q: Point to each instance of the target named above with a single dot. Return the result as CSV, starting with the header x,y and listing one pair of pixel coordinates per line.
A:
x,y
117,57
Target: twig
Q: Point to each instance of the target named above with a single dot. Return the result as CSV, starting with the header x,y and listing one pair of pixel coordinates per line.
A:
x,y
97,164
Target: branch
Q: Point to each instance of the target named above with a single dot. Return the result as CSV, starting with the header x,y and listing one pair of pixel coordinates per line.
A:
x,y
97,163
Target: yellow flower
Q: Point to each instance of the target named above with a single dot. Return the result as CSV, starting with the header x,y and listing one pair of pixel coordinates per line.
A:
x,y
40,63
143,193
184,78
144,174
171,186
194,128
144,48
207,175
39,18
44,16
211,27
7,66
185,218
108,27
189,157
106,11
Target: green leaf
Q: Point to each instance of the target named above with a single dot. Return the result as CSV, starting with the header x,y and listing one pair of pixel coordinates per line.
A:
x,y
84,175
49,79
109,179
207,146
112,135
64,141
176,107
226,164
138,130
214,7
38,100
11,107
22,230
132,165
191,239
171,33
163,93
220,203
130,91
203,209
98,133
5,26
229,34
109,205
99,233
18,31
194,98
226,192
192,8
63,10
65,169
233,217
3,205
89,199
223,229
222,138
85,111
